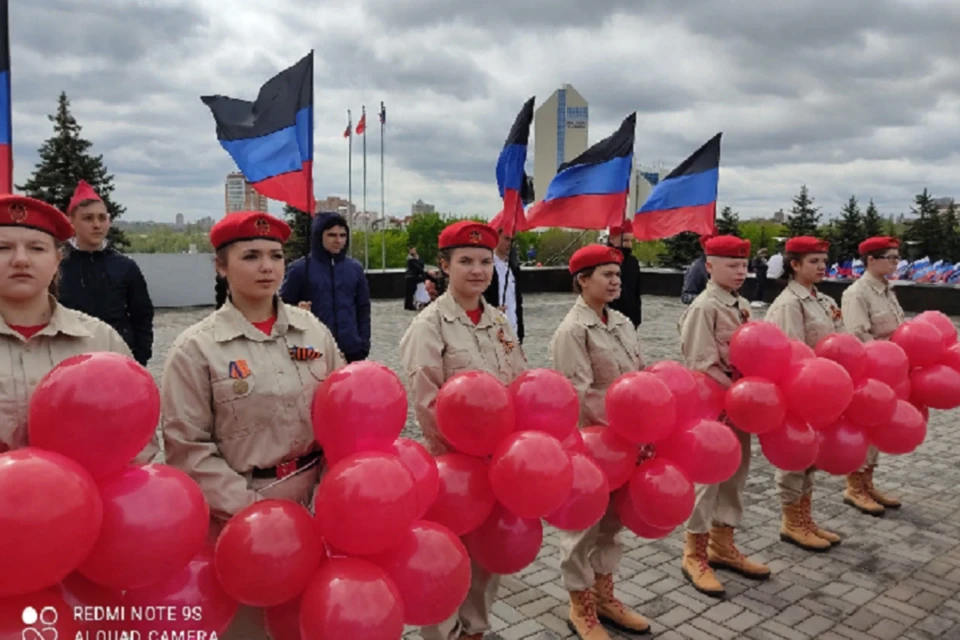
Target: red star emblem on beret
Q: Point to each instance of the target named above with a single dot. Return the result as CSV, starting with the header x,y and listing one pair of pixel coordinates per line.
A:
x,y
475,237
18,212
262,226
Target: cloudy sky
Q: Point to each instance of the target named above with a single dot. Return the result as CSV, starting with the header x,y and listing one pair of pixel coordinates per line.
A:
x,y
848,96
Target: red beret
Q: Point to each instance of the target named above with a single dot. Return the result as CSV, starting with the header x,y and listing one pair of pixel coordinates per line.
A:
x,y
467,233
878,243
727,247
625,227
248,225
594,255
806,244
82,193
21,211
703,240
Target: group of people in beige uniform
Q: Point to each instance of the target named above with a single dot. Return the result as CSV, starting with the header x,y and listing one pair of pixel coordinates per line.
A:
x,y
236,388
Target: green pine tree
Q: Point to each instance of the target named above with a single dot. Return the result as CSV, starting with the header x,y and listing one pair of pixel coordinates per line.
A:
x,y
925,230
803,217
299,243
729,223
951,237
848,233
681,250
64,161
872,222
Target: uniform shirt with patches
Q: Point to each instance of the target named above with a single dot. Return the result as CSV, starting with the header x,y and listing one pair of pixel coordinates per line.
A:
x,y
871,310
804,315
706,328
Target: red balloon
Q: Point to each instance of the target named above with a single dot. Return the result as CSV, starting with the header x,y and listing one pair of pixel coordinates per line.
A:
x,y
886,362
365,502
505,543
905,431
936,386
475,412
800,351
903,390
42,615
267,553
842,448
282,622
755,405
707,451
952,357
424,470
710,396
351,598
924,411
817,391
77,591
588,499
431,569
845,350
360,407
760,349
616,456
683,385
943,323
922,342
465,498
641,408
792,447
574,442
100,409
196,585
544,400
155,519
50,516
531,473
873,403
631,519
661,493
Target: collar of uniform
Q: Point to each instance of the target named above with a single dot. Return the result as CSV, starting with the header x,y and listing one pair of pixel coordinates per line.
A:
x,y
229,323
61,321
880,285
589,317
726,297
452,312
798,289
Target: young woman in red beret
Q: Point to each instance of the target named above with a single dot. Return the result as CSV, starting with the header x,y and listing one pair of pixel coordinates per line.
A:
x,y
454,334
238,385
807,315
36,331
593,346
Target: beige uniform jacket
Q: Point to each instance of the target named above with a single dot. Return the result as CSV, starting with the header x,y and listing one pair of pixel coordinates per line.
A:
x,y
805,316
24,362
592,355
235,399
871,310
706,328
442,342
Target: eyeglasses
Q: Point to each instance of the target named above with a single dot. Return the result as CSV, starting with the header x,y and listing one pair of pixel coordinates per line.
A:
x,y
891,258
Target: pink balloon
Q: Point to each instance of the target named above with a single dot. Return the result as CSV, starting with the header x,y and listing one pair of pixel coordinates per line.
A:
x,y
544,400
886,362
588,498
155,520
922,342
943,323
845,350
842,448
706,450
365,501
683,385
905,431
574,442
661,493
817,391
641,408
873,403
755,405
631,519
760,349
531,473
505,543
465,497
952,357
924,411
936,386
903,390
800,351
710,396
791,447
424,470
616,456
475,412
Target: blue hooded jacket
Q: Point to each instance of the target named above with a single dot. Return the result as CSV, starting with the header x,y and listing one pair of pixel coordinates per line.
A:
x,y
336,287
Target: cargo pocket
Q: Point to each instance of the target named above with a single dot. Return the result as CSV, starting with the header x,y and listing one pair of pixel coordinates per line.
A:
x,y
235,407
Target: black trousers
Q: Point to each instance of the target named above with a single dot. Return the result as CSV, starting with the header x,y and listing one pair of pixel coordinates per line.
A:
x,y
409,289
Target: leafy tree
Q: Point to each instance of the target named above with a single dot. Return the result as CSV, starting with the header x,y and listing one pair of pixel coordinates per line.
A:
x,y
681,250
951,237
926,229
299,243
729,223
64,161
803,217
423,231
872,222
848,233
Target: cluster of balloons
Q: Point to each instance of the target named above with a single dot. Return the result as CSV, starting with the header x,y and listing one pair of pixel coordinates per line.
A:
x,y
80,525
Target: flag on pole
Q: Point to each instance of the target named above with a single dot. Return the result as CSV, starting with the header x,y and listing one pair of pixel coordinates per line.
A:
x,y
512,179
6,106
383,114
362,125
271,139
346,132
590,191
686,200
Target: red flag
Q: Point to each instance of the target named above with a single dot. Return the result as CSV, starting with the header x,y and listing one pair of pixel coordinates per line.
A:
x,y
346,132
362,125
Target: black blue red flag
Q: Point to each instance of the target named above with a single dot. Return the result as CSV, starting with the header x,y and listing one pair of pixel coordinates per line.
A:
x,y
6,107
512,178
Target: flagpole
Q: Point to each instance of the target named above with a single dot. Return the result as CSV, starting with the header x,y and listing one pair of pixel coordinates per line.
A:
x,y
350,171
310,213
366,218
383,217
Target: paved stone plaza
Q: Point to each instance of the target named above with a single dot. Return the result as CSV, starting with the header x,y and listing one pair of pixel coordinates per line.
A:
x,y
892,577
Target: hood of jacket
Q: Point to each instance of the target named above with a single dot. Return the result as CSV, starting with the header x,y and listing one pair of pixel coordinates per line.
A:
x,y
322,222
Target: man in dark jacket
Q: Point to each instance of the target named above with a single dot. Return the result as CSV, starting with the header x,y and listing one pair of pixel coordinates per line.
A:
x,y
414,275
334,285
504,290
102,282
629,301
695,279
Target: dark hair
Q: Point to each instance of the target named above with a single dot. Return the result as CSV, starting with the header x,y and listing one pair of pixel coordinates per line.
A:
x,y
221,287
788,271
54,287
443,279
586,273
876,255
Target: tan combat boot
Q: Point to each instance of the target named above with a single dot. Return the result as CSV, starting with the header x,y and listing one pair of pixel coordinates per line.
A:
x,y
724,554
695,567
583,617
614,612
885,501
857,496
829,536
796,529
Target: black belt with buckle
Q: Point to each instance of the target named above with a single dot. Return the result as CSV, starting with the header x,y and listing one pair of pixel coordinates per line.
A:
x,y
285,469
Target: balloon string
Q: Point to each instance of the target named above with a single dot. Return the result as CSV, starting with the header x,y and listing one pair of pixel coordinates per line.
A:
x,y
309,465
